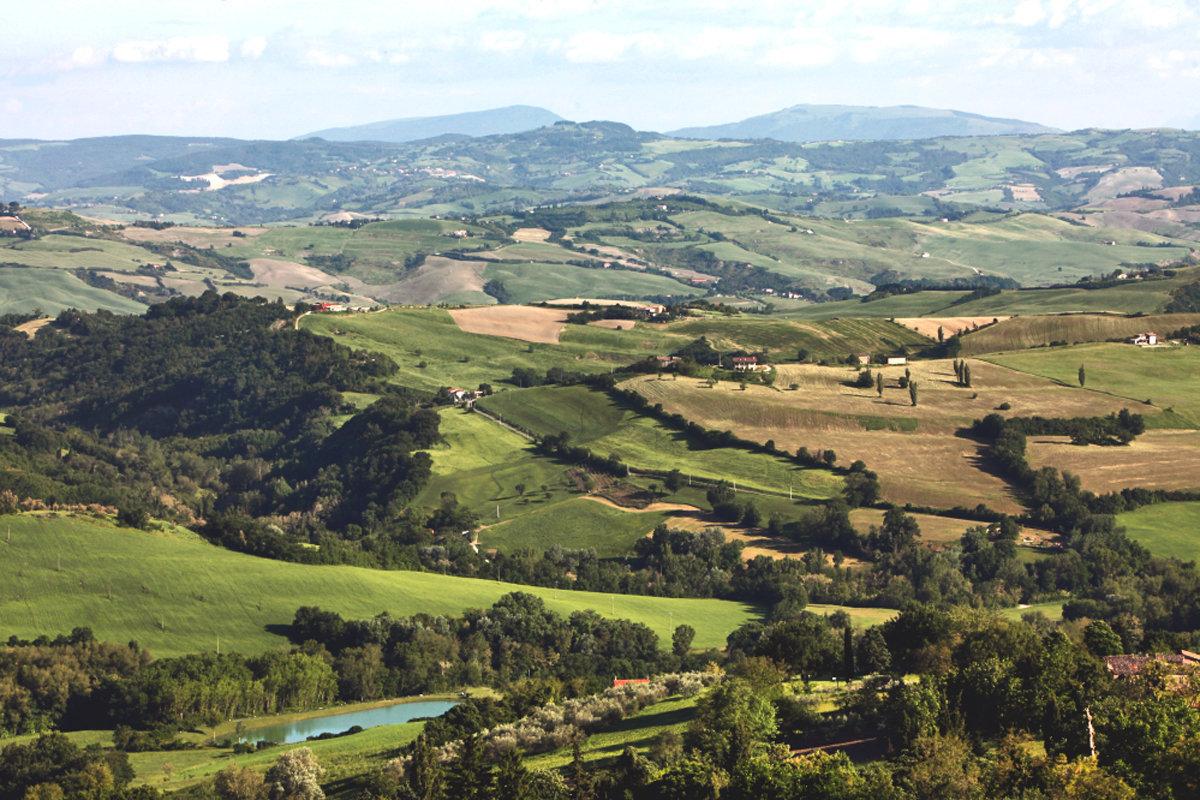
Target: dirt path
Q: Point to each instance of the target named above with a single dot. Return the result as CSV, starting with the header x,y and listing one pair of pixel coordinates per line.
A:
x,y
652,507
32,327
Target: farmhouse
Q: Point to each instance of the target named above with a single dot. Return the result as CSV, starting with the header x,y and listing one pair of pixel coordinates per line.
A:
x,y
745,363
863,358
458,395
1145,338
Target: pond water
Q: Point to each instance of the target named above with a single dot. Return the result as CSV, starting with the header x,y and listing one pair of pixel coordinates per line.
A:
x,y
300,730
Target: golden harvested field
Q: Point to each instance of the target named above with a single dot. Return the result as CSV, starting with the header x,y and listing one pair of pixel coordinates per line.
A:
x,y
194,237
1163,459
614,324
919,454
32,327
513,322
288,273
531,234
1021,333
438,277
137,280
928,326
934,529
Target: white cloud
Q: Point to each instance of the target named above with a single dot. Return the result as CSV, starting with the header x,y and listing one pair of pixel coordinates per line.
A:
x,y
321,58
801,48
547,9
596,47
893,43
177,48
722,42
254,47
1027,12
502,41
13,106
86,57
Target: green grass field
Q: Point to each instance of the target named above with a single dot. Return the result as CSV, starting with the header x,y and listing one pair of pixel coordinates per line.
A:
x,y
1168,376
536,281
1023,333
575,524
1171,530
58,574
595,421
829,338
637,731
75,252
456,358
53,291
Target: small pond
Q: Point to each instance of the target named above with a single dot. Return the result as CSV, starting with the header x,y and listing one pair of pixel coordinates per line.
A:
x,y
300,730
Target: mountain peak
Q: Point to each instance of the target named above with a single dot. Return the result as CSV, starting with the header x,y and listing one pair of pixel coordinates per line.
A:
x,y
821,123
511,119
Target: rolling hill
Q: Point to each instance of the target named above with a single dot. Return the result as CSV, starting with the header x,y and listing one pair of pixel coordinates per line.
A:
x,y
824,123
252,182
512,119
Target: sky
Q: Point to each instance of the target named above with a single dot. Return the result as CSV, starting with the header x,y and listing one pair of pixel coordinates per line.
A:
x,y
276,69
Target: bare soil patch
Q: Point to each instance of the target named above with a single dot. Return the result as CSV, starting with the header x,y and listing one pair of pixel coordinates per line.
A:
x,y
655,191
531,234
1161,459
289,273
1075,172
193,237
125,277
919,453
1125,179
649,507
928,326
1025,193
32,327
12,224
524,323
614,324
436,278
1136,204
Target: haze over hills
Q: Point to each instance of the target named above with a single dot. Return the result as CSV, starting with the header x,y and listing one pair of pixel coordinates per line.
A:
x,y
823,123
512,119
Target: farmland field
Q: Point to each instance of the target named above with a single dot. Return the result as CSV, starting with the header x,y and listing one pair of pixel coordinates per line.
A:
x,y
1167,377
604,427
53,291
454,357
73,252
917,452
575,524
1171,530
836,338
537,281
1158,459
1023,333
175,596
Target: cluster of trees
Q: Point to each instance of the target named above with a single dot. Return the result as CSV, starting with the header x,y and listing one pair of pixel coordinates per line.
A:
x,y
987,690
218,401
517,638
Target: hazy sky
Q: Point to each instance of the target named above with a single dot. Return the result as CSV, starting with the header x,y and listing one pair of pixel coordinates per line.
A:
x,y
281,68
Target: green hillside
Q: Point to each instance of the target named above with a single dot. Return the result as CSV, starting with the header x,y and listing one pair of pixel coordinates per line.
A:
x,y
24,290
1168,377
598,423
176,596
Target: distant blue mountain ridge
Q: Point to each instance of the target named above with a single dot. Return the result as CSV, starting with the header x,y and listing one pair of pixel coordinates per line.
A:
x,y
512,119
815,123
